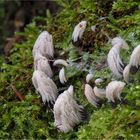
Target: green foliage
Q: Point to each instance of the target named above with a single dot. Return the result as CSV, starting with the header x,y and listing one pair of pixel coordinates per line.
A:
x,y
123,5
29,119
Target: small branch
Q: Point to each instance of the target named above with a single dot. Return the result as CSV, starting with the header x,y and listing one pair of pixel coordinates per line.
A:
x,y
18,94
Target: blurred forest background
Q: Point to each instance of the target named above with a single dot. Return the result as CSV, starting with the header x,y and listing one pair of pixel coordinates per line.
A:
x,y
16,14
22,113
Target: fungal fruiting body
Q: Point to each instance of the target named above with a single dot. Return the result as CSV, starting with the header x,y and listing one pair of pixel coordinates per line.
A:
x,y
62,76
90,95
78,31
60,62
113,59
118,41
98,81
44,45
126,73
89,77
134,64
100,93
114,90
67,112
45,86
93,28
135,57
41,63
114,62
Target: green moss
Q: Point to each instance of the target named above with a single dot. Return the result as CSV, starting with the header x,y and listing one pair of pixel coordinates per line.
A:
x,y
120,122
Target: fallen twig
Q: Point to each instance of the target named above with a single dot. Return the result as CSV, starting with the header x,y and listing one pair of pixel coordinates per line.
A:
x,y
18,94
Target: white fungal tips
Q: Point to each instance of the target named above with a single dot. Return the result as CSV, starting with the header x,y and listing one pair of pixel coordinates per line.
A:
x,y
67,112
113,59
93,28
89,77
135,57
134,62
114,90
98,81
42,50
90,95
126,73
60,62
41,63
45,86
79,30
44,45
70,89
62,76
100,93
120,43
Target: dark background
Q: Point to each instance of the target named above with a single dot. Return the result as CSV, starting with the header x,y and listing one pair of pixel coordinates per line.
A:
x,y
16,14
